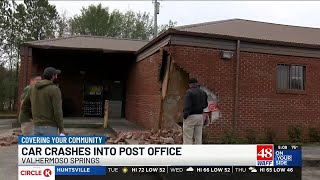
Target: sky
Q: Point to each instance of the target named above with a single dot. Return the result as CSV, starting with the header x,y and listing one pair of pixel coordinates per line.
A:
x,y
299,13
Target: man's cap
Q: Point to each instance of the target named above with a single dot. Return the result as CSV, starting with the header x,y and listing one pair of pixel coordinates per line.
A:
x,y
50,71
193,81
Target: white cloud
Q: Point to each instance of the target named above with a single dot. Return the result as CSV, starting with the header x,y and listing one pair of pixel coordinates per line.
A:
x,y
190,169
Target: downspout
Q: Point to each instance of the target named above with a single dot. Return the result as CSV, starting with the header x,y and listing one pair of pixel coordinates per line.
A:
x,y
236,99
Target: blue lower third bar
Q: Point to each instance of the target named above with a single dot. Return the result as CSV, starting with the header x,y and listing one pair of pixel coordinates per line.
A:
x,y
80,170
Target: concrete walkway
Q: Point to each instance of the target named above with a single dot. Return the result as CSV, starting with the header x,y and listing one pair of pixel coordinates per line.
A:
x,y
9,163
311,156
116,125
5,124
311,152
83,122
123,125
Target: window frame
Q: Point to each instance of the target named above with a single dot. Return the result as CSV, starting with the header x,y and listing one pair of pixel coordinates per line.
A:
x,y
289,90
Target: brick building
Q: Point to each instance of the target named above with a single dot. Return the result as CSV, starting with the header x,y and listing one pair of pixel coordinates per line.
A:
x,y
265,75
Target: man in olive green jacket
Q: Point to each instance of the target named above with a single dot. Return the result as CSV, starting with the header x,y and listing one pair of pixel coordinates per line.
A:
x,y
44,103
26,123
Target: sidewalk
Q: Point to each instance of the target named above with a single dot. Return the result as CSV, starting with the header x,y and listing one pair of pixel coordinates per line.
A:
x,y
123,125
83,122
72,131
311,156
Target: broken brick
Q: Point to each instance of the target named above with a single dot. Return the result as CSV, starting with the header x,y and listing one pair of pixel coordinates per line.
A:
x,y
118,139
129,135
168,140
160,136
17,130
164,131
135,136
141,137
4,144
153,137
15,141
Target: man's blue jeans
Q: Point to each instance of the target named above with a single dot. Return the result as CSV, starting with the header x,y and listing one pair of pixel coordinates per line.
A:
x,y
45,131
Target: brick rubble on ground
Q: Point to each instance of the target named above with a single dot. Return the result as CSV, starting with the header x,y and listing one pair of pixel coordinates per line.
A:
x,y
161,136
9,140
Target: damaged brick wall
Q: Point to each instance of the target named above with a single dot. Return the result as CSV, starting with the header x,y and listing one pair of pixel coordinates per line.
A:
x,y
172,105
260,105
143,92
218,75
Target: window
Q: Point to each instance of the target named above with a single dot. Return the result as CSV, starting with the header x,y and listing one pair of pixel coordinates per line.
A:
x,y
291,77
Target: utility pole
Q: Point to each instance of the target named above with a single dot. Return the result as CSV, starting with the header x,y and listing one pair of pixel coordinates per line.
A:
x,y
156,12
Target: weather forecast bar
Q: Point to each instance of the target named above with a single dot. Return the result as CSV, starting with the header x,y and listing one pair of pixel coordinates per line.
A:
x,y
201,170
220,172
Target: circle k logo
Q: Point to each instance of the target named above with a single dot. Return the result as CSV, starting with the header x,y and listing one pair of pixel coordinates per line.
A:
x,y
47,172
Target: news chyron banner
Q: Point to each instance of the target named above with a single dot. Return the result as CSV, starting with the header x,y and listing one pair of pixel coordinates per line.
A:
x,y
58,157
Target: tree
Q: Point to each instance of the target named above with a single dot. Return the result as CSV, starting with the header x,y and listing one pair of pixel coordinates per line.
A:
x,y
99,21
5,32
7,53
30,20
40,19
165,27
37,20
62,25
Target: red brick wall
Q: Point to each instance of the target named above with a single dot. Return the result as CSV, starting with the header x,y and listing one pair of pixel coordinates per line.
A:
x,y
218,75
25,57
260,106
21,73
143,92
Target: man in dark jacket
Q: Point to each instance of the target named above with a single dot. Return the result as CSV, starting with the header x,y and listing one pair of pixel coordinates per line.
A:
x,y
195,102
44,102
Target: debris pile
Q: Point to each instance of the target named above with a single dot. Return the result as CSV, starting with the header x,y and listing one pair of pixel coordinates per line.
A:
x,y
10,139
161,136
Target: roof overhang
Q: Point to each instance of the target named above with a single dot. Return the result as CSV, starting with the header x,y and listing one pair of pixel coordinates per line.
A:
x,y
173,31
75,48
252,45
262,41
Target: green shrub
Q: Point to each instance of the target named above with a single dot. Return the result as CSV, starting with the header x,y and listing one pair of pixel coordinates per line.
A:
x,y
205,138
251,136
314,135
241,141
295,134
228,138
270,137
